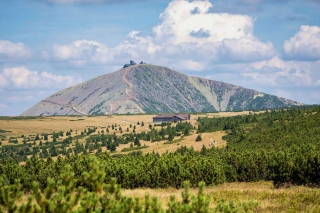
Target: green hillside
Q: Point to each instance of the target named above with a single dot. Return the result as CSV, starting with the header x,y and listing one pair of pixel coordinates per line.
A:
x,y
281,146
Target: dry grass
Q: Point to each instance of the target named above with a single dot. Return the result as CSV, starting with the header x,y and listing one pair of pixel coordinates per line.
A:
x,y
188,141
269,199
48,125
294,199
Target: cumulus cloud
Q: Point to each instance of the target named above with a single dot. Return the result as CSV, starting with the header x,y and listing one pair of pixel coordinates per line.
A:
x,y
10,51
190,27
178,21
187,31
82,52
296,80
20,87
280,73
304,45
23,78
245,49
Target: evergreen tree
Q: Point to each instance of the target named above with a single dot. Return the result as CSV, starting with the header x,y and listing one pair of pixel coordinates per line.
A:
x,y
137,142
113,147
186,132
170,137
198,138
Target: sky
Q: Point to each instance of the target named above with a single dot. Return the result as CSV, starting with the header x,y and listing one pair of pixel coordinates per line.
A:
x,y
272,46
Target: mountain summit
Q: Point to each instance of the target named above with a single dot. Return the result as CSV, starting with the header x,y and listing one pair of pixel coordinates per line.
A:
x,y
147,88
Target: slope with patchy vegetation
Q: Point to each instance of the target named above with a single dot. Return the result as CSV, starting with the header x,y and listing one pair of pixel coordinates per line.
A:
x,y
152,89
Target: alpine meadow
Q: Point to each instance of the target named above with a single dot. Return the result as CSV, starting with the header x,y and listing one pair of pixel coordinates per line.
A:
x,y
159,106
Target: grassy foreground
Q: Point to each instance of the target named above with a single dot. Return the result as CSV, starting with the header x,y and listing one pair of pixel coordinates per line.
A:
x,y
267,198
228,197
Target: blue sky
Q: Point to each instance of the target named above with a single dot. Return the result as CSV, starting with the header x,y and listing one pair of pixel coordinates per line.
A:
x,y
268,45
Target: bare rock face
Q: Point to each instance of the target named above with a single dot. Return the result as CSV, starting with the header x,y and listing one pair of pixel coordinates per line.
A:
x,y
153,89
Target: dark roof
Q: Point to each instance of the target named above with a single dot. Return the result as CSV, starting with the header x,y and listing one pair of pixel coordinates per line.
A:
x,y
181,116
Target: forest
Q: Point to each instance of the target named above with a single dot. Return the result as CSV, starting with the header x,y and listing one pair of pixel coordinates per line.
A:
x,y
281,146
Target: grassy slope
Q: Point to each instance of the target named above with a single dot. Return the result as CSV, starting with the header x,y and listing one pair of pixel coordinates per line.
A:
x,y
31,127
294,199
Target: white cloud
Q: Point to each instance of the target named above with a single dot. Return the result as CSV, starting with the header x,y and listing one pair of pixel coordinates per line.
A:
x,y
304,45
246,49
10,51
22,78
81,54
286,74
228,36
296,80
187,32
78,50
84,53
20,88
178,21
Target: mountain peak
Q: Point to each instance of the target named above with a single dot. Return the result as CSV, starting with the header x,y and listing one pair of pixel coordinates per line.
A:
x,y
146,88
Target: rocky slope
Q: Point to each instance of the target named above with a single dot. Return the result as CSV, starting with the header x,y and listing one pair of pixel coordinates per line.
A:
x,y
152,89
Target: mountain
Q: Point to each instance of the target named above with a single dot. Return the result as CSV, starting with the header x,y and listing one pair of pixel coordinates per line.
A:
x,y
147,88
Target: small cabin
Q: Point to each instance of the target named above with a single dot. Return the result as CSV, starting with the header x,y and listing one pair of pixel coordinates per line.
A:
x,y
171,117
